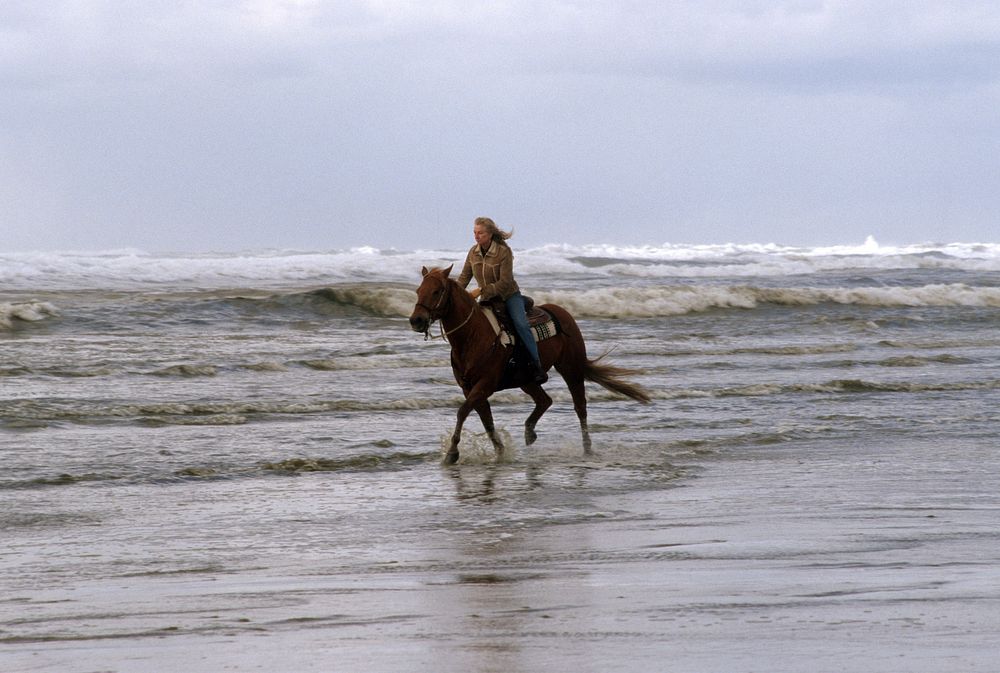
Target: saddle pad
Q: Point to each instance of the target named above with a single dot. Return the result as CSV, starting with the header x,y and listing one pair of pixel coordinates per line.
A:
x,y
505,338
544,329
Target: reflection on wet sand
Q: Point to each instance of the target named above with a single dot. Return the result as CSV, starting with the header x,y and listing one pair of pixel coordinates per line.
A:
x,y
513,586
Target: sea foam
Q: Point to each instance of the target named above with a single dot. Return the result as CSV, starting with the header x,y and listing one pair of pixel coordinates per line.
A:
x,y
26,311
645,302
127,269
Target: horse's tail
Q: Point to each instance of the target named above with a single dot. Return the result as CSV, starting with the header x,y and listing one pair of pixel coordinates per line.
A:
x,y
610,377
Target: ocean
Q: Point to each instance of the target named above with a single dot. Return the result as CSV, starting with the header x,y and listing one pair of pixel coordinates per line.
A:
x,y
233,461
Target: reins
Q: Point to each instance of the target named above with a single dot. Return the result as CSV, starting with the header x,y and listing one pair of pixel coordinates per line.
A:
x,y
444,335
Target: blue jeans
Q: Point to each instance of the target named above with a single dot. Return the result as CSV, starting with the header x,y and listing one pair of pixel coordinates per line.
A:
x,y
515,309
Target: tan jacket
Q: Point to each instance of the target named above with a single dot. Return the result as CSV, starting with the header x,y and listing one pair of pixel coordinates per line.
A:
x,y
494,271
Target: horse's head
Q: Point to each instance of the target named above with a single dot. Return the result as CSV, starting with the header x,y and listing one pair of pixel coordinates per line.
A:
x,y
432,299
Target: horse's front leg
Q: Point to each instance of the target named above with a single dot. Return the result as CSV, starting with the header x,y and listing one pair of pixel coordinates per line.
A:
x,y
451,457
486,416
476,398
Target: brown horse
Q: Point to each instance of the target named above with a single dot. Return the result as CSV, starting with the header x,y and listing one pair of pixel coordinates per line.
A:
x,y
478,359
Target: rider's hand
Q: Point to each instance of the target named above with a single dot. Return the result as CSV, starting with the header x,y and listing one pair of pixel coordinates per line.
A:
x,y
475,292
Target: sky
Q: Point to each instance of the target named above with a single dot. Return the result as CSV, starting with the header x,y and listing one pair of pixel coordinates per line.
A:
x,y
225,125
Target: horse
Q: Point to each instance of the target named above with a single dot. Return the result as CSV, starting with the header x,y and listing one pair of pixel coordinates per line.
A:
x,y
479,359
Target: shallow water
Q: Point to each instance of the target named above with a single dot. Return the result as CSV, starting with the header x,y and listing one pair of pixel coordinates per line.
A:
x,y
234,463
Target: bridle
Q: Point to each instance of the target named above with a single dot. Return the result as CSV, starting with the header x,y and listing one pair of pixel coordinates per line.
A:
x,y
446,294
430,311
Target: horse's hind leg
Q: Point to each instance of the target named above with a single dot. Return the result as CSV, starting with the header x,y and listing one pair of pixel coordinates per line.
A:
x,y
542,402
577,390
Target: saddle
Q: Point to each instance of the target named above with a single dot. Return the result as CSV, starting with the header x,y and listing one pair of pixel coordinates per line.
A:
x,y
542,323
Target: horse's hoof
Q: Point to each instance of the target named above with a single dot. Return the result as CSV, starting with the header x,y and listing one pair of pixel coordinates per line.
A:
x,y
496,441
529,437
451,458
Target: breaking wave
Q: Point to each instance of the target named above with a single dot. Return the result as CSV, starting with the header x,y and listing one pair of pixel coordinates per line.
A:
x,y
326,302
315,307
120,269
33,311
380,301
621,302
647,302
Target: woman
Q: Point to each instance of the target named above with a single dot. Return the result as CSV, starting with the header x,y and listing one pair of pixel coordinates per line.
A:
x,y
491,261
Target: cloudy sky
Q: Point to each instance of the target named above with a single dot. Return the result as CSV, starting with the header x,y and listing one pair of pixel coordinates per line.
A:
x,y
228,125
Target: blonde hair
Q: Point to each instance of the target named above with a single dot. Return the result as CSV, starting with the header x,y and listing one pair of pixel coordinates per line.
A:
x,y
495,232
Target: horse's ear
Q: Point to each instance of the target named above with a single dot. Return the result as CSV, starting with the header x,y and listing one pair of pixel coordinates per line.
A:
x,y
448,270
424,271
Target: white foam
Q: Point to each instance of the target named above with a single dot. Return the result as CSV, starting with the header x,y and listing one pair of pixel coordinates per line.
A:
x,y
682,299
750,260
27,311
475,448
132,269
284,268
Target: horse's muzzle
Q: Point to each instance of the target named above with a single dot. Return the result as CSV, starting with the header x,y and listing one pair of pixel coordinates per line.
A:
x,y
419,323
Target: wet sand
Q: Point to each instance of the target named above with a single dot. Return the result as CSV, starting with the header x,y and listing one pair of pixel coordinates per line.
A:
x,y
851,560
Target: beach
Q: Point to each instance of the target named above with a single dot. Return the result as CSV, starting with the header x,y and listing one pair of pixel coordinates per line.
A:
x,y
240,469
839,566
